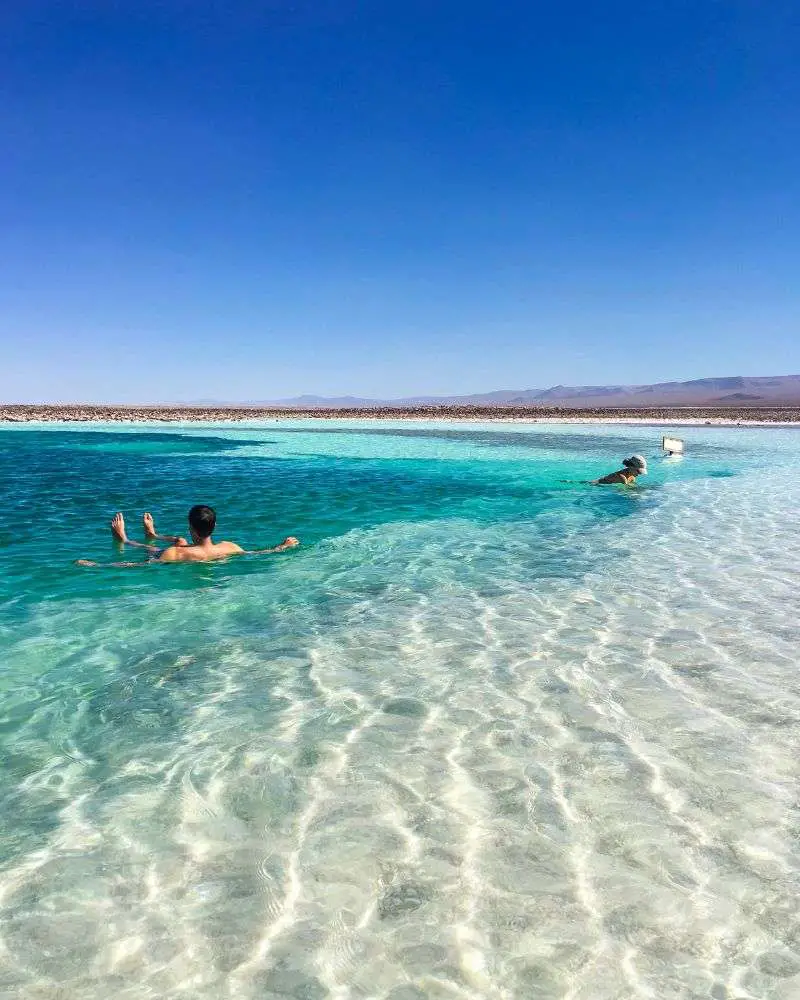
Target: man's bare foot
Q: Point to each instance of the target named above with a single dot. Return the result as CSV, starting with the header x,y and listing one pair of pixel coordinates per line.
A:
x,y
149,526
118,528
85,562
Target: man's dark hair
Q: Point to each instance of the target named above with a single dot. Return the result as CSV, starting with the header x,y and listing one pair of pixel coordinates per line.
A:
x,y
202,520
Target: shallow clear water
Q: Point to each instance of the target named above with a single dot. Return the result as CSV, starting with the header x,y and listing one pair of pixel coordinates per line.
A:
x,y
488,734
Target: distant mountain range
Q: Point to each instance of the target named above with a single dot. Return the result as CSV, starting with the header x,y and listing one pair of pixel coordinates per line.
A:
x,y
737,390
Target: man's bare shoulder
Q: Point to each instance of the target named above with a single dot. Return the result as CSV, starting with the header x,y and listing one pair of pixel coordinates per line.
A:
x,y
229,548
194,553
173,554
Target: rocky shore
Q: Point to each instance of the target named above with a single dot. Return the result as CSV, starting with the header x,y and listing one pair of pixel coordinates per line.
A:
x,y
87,413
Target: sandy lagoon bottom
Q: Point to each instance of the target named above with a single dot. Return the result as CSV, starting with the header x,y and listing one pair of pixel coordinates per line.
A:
x,y
488,734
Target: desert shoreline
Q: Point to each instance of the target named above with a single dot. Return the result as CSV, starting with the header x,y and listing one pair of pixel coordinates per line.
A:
x,y
773,416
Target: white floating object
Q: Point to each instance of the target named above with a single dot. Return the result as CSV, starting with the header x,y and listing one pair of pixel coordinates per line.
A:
x,y
673,445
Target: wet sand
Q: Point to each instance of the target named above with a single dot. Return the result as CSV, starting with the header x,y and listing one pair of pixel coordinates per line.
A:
x,y
106,413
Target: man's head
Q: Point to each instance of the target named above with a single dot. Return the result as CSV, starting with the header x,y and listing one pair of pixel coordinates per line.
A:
x,y
202,521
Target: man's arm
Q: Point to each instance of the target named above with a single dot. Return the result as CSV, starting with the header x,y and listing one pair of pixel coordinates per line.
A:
x,y
288,543
152,549
120,535
114,565
150,532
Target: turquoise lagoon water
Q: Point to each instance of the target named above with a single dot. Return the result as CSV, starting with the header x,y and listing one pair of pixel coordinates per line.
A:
x,y
487,734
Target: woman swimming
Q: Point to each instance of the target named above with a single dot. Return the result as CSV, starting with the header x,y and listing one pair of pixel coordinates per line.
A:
x,y
626,476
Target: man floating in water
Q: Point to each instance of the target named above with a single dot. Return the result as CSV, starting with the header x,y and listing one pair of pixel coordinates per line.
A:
x,y
202,548
634,466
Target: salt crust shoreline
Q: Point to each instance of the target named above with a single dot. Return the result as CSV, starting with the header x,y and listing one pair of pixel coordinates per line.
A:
x,y
667,416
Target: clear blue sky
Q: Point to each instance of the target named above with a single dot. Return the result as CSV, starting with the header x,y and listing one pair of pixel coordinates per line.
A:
x,y
391,198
